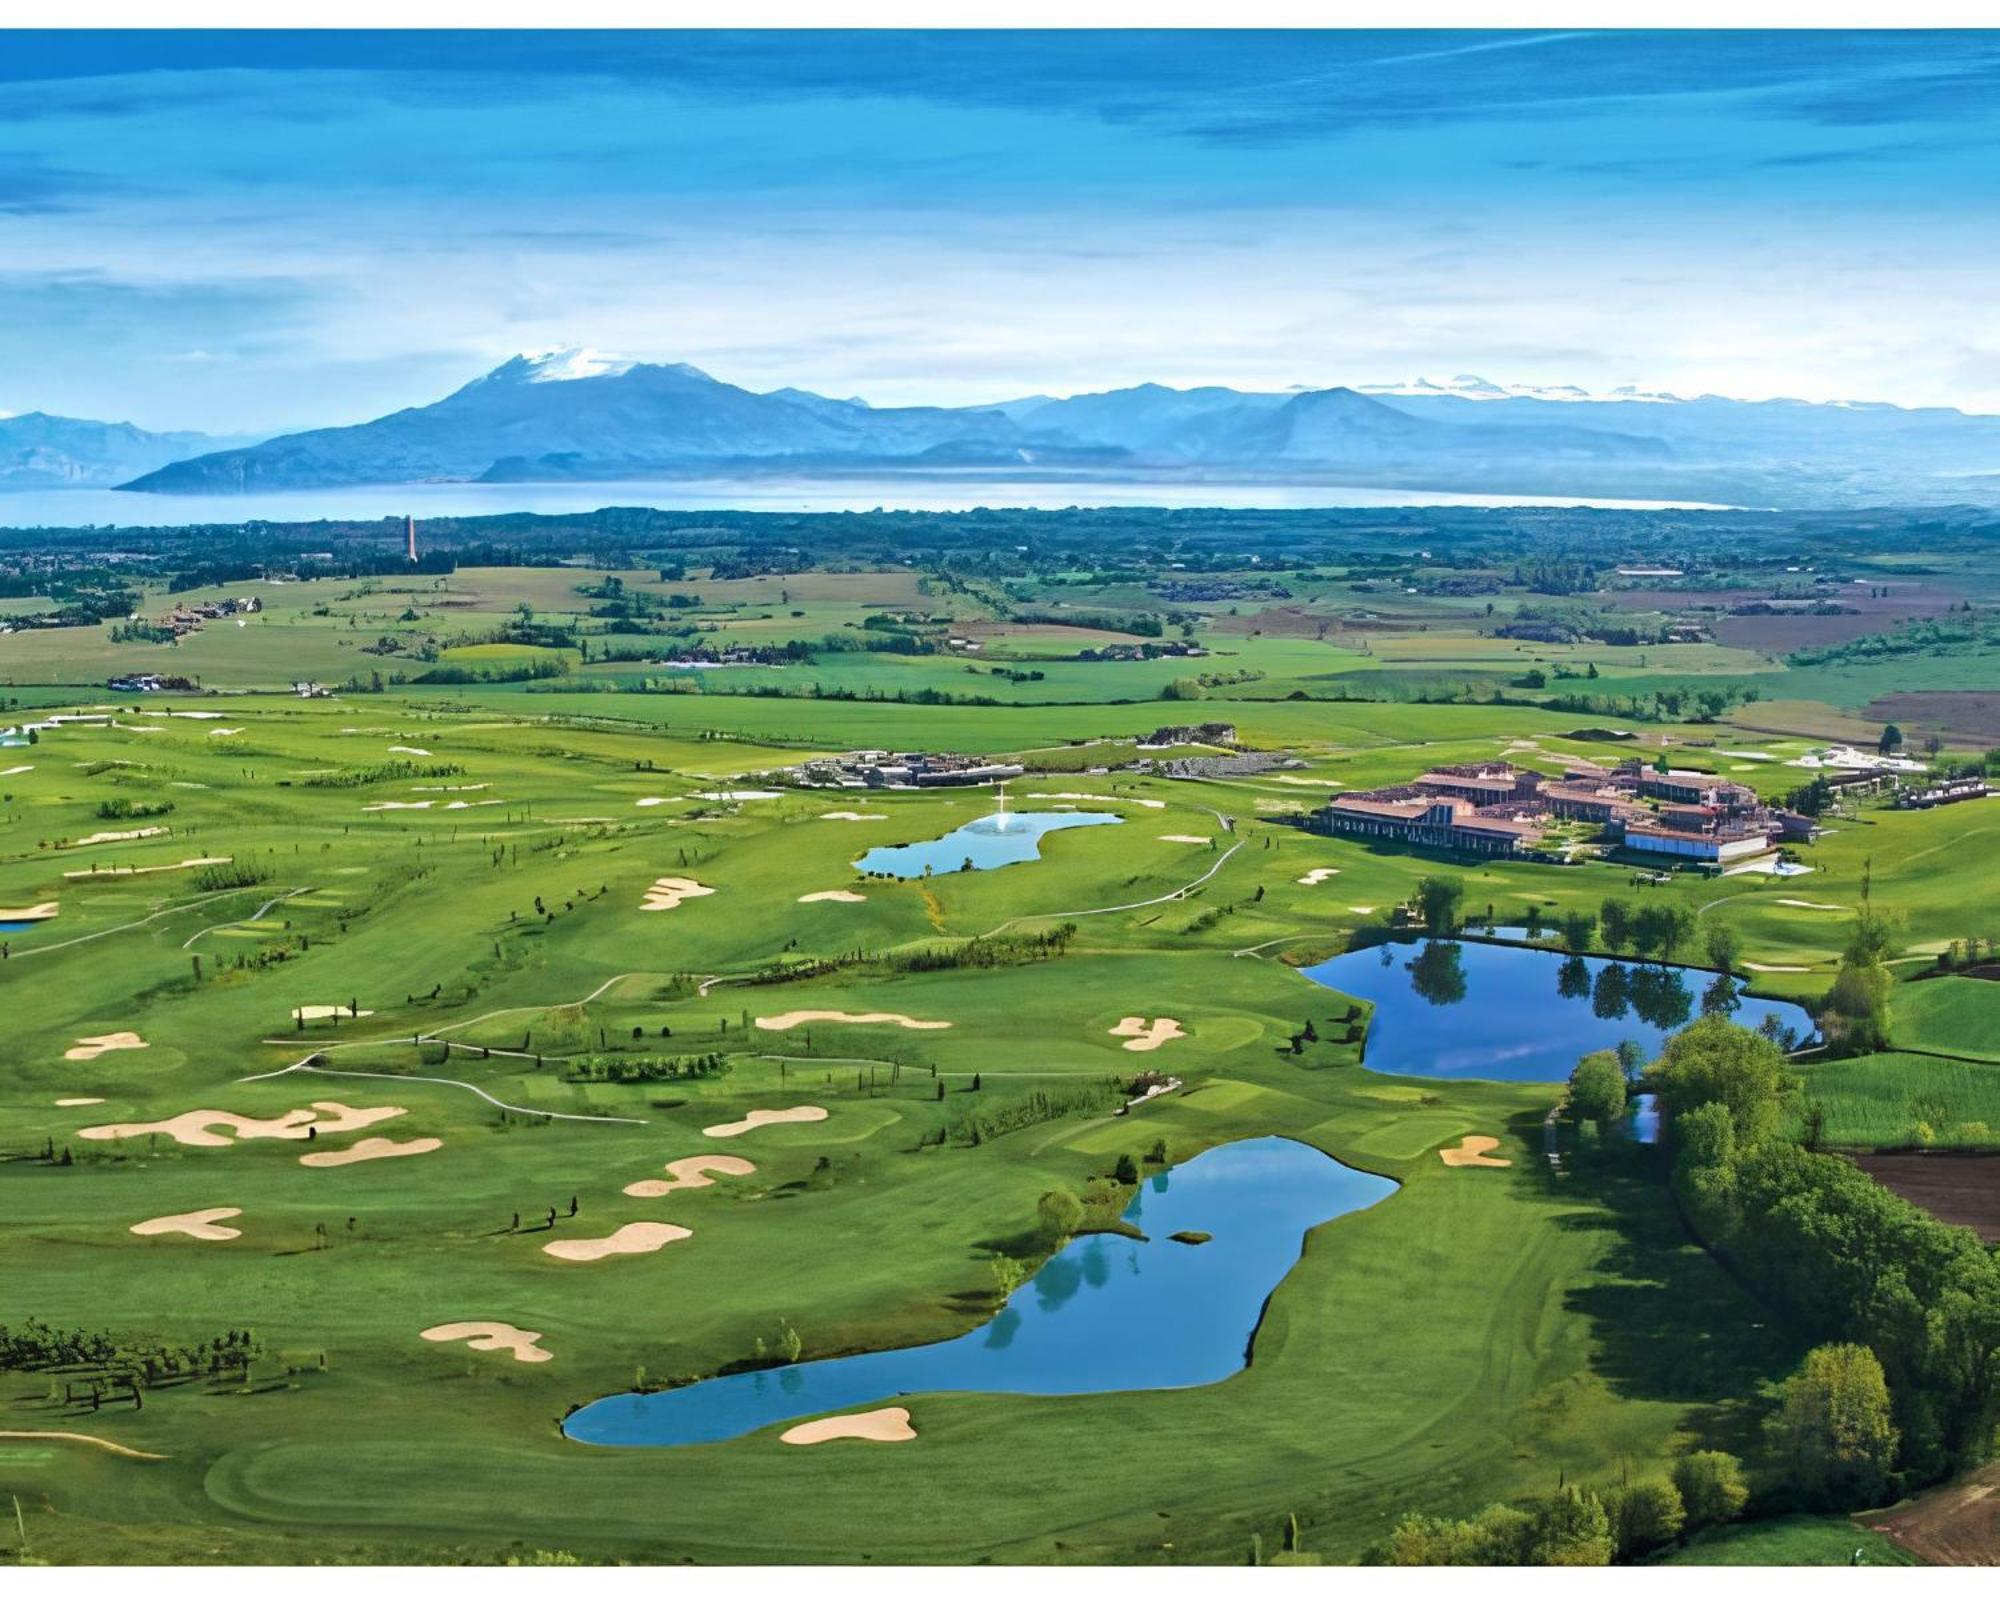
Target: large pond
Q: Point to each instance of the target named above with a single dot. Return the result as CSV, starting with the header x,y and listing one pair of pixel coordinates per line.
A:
x,y
994,841
1446,1008
1104,1313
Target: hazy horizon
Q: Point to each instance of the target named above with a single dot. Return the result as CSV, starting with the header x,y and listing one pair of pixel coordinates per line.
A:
x,y
254,233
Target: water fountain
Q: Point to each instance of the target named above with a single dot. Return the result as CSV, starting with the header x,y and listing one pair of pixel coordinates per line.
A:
x,y
1000,808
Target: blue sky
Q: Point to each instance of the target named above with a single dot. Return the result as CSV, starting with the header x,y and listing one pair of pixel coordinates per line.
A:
x,y
266,231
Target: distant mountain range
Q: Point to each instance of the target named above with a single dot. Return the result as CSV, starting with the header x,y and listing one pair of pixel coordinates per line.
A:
x,y
38,451
577,416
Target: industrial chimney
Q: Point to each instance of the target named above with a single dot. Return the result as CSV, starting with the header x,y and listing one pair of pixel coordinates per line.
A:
x,y
410,527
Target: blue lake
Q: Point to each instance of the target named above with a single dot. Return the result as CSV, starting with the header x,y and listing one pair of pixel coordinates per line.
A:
x,y
1105,1313
18,927
1446,1008
989,842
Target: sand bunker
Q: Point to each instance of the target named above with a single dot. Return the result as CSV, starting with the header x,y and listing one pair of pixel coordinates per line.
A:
x,y
223,733
91,1046
890,1425
634,1239
667,893
1759,966
1185,838
1812,905
321,1013
846,897
759,1119
854,816
524,1345
198,1127
1139,1034
82,1100
134,872
116,838
1319,875
740,794
1362,911
15,772
792,1019
1471,1152
653,800
691,1172
370,1150
195,1224
399,805
110,1446
406,750
40,913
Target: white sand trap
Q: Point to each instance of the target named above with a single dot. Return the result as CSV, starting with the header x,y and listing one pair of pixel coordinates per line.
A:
x,y
15,772
197,716
1139,1034
760,1119
370,1150
321,1013
740,794
117,838
93,1045
400,805
406,750
792,1019
523,1345
82,1100
1759,966
667,893
109,1446
634,1239
135,872
1471,1152
223,733
336,1118
1185,838
691,1172
198,1127
654,800
40,913
1319,875
1362,911
890,1425
854,816
846,897
195,1224
1812,905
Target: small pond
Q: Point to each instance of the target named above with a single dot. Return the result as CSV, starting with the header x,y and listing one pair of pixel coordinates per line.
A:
x,y
1448,1008
994,841
1105,1312
19,927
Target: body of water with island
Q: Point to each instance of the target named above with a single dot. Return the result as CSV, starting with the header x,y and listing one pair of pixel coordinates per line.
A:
x,y
1108,1312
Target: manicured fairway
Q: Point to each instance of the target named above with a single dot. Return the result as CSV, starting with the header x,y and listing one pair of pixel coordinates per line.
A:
x,y
419,918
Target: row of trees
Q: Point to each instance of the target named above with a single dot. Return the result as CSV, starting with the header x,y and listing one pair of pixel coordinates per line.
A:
x,y
1849,1263
1576,1526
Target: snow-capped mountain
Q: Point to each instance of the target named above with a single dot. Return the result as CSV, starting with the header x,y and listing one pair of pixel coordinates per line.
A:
x,y
1468,386
580,415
